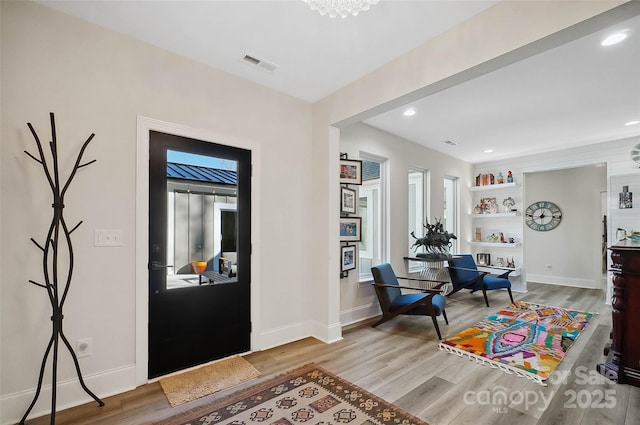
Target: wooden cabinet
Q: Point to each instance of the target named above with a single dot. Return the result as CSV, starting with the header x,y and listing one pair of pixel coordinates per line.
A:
x,y
623,352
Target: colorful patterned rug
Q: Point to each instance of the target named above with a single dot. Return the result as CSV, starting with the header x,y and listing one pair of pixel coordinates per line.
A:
x,y
525,339
306,395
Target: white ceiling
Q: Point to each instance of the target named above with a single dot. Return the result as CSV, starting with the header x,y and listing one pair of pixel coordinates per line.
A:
x,y
578,93
575,94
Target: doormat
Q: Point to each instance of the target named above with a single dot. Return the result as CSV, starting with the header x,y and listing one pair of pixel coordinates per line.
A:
x,y
205,380
309,394
525,339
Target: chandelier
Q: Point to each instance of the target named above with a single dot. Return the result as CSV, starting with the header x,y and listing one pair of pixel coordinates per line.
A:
x,y
343,8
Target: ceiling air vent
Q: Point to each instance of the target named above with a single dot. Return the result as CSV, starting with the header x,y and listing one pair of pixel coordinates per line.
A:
x,y
449,142
260,63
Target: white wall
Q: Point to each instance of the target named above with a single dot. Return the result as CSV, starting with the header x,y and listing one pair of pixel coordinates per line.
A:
x,y
358,300
98,81
570,254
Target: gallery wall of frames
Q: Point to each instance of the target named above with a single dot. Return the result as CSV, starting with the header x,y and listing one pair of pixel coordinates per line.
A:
x,y
350,222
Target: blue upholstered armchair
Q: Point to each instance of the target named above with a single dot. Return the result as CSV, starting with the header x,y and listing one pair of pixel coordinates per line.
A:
x,y
465,275
393,302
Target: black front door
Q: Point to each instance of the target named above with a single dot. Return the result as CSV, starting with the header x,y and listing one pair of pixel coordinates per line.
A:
x,y
197,312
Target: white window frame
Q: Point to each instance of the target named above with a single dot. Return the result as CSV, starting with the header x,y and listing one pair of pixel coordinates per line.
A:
x,y
365,275
455,210
413,266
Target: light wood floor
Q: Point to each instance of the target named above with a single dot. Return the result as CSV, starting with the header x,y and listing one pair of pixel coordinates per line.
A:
x,y
400,362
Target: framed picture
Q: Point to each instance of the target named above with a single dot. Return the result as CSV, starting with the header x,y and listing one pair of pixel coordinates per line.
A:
x,y
347,200
350,229
347,258
483,259
351,171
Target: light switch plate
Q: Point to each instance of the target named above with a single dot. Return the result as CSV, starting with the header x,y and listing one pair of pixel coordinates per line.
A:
x,y
107,237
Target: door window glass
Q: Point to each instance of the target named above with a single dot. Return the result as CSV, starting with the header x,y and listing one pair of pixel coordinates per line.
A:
x,y
201,212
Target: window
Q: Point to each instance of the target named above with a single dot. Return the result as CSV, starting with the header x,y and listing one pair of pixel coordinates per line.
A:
x,y
416,206
371,200
450,220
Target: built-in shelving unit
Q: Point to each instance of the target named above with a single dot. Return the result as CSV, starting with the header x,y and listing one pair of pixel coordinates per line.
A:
x,y
494,220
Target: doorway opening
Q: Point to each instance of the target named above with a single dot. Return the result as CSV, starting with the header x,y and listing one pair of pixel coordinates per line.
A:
x,y
199,294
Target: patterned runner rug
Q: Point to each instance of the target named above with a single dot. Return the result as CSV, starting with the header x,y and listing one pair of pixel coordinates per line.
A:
x,y
309,395
525,339
205,380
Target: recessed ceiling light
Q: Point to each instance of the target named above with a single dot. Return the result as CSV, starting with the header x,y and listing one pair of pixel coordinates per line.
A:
x,y
409,112
614,39
632,122
488,150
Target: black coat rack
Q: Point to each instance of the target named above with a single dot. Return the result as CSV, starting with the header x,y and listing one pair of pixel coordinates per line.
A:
x,y
58,237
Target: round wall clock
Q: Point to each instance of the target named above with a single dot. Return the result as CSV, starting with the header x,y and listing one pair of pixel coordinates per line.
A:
x,y
543,216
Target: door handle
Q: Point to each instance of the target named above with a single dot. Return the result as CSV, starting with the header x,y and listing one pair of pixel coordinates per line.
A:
x,y
155,265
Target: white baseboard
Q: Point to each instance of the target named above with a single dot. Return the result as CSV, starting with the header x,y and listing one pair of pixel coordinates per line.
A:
x,y
282,335
287,334
360,313
69,394
563,281
328,334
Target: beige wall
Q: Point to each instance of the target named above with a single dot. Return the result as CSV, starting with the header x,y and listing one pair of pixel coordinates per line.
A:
x,y
99,81
571,253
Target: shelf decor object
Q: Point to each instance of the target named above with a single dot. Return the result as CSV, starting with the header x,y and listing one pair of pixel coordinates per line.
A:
x,y
436,242
56,280
508,204
483,259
